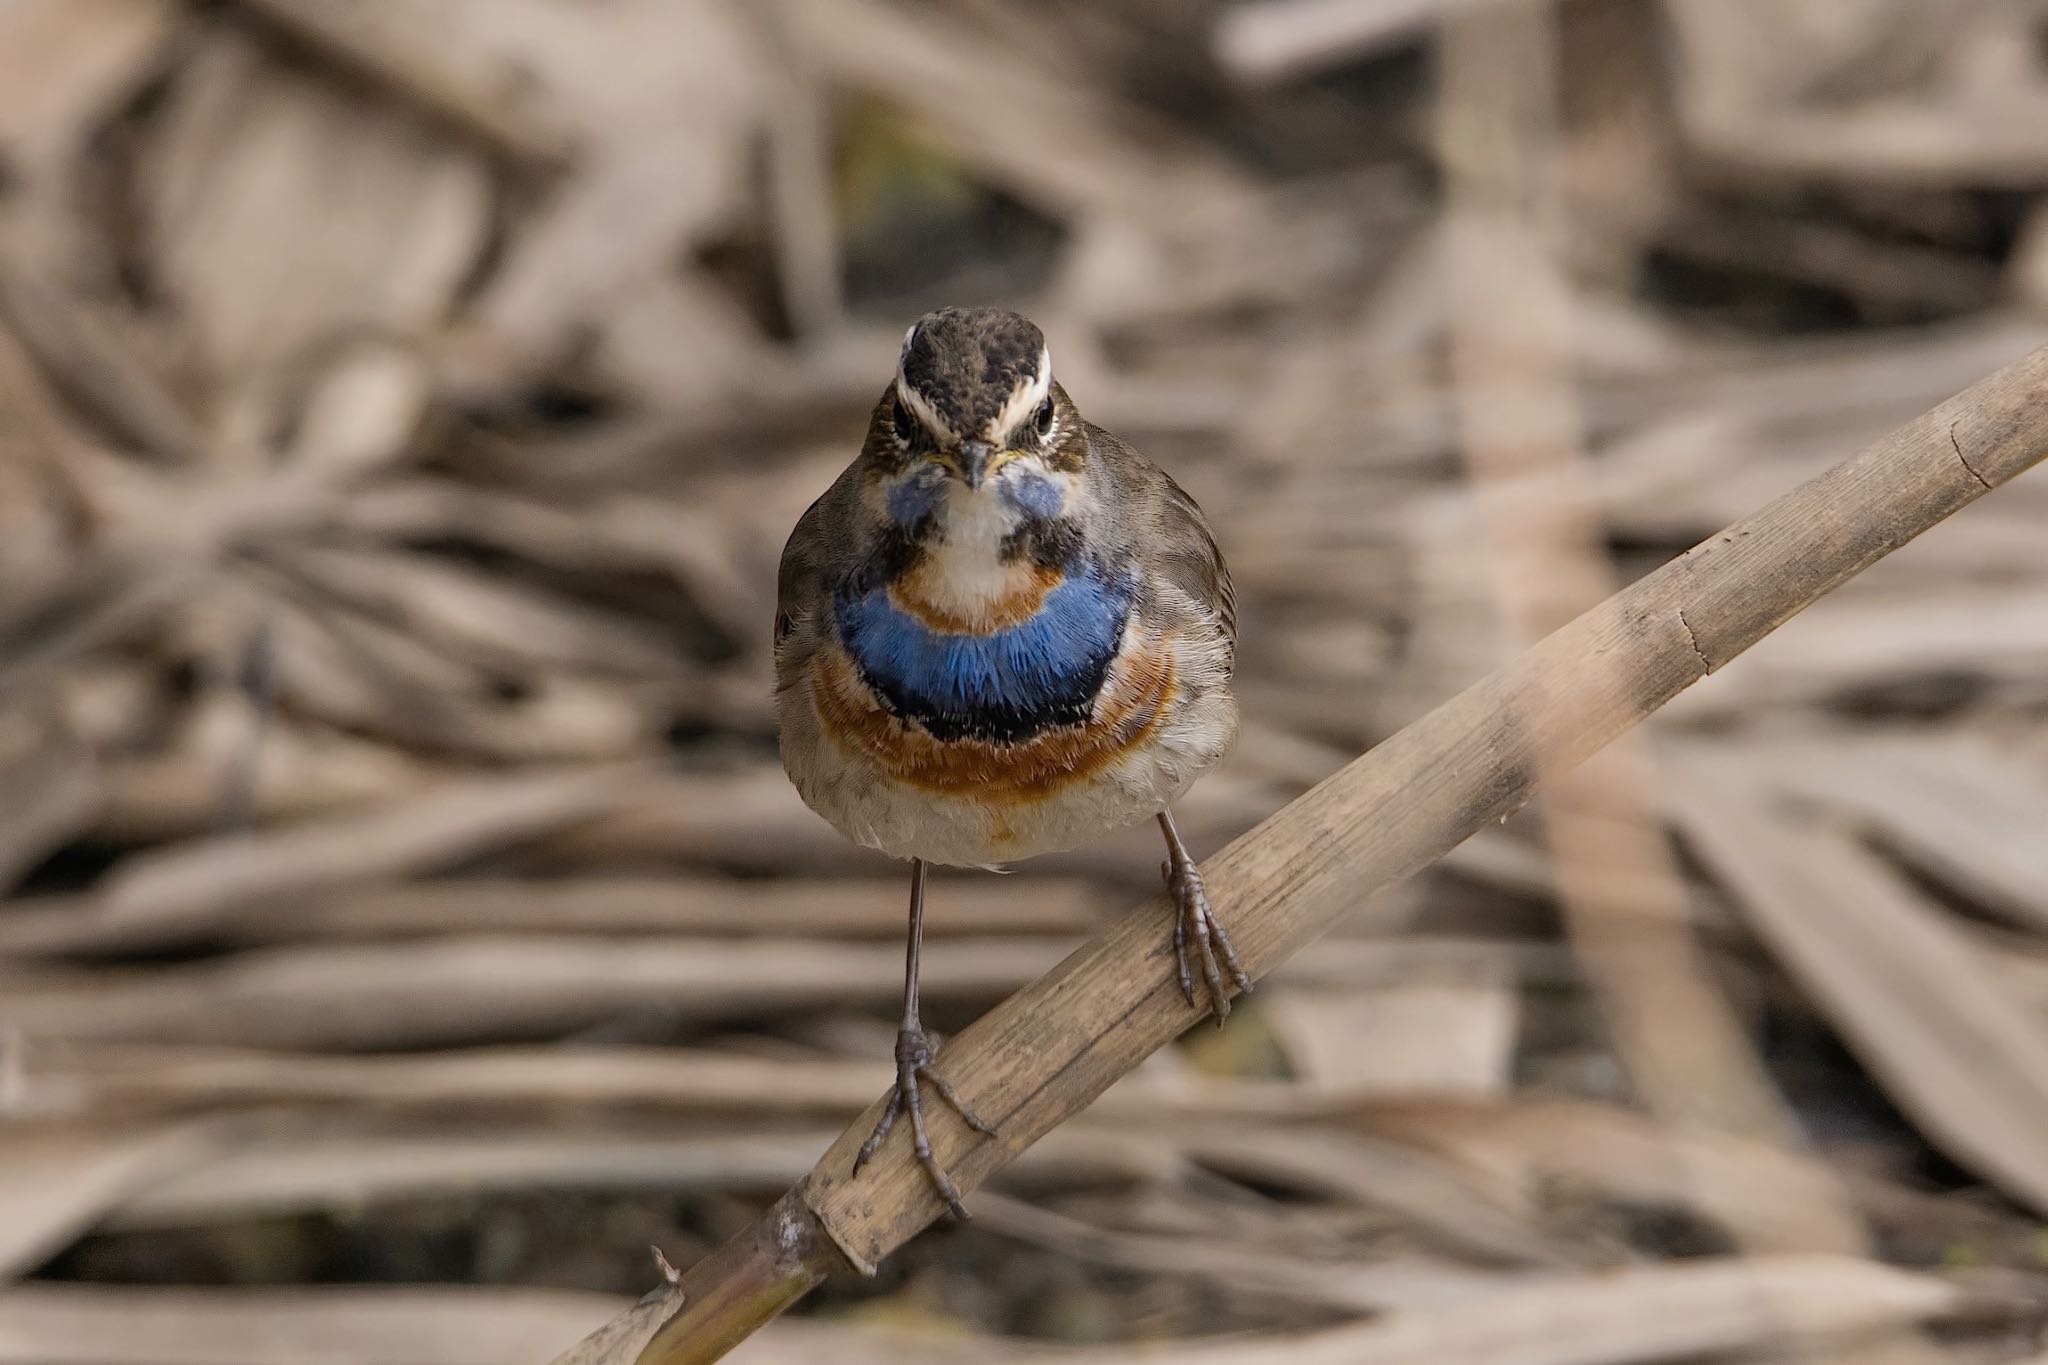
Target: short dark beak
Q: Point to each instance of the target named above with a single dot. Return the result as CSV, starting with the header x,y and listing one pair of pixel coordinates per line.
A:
x,y
974,461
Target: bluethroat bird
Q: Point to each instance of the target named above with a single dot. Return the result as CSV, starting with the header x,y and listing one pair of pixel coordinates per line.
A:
x,y
1002,632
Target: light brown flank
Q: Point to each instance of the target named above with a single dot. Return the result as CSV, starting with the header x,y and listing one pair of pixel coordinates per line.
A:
x,y
909,594
1136,696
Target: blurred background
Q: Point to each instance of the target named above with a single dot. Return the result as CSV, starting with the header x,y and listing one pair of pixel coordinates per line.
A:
x,y
404,919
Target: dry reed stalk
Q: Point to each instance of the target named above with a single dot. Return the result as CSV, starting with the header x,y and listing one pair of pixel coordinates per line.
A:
x,y
1267,43
1626,907
1045,1053
366,44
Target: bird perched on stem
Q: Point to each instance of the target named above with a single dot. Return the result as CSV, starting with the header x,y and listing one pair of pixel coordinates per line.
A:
x,y
1002,632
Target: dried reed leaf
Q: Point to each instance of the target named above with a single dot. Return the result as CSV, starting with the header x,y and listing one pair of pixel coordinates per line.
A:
x,y
106,599
788,908
556,1079
1962,813
1995,635
76,1324
1623,1156
50,790
1650,1313
618,535
63,63
1443,1038
56,1181
361,411
1061,144
1456,1209
300,771
38,486
1280,39
404,48
495,622
961,906
665,100
473,987
1910,993
124,1079
262,258
432,830
417,993
621,1338
310,1162
299,1172
94,360
1365,1286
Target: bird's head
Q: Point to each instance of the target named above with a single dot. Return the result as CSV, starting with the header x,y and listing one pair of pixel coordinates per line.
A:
x,y
974,416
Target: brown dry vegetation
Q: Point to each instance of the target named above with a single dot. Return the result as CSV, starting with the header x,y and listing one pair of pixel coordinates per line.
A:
x,y
406,922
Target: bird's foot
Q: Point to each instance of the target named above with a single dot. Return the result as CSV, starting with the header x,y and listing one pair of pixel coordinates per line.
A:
x,y
1195,924
914,1058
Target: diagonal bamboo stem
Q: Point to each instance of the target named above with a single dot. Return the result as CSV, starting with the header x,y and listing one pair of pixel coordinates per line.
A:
x,y
1041,1056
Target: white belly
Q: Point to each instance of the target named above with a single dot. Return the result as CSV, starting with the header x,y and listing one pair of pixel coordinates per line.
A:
x,y
871,807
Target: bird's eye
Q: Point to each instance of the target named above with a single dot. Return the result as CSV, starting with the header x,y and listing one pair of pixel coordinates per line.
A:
x,y
906,425
1041,421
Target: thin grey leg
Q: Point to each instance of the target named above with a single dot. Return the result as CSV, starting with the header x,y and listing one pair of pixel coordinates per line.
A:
x,y
914,1060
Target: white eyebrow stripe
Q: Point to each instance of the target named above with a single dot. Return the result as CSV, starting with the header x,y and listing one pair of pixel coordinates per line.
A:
x,y
1026,398
924,411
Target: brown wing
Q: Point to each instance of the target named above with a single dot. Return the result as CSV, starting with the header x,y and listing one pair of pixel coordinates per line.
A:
x,y
1191,559
821,542
1171,534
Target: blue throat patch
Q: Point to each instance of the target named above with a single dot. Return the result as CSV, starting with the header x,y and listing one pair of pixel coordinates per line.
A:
x,y
1007,686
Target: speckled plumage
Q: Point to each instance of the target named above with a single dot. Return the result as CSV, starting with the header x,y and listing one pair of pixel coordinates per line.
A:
x,y
1002,632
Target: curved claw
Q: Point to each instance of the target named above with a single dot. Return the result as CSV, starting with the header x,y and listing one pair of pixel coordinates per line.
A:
x,y
914,1058
1180,941
1197,922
